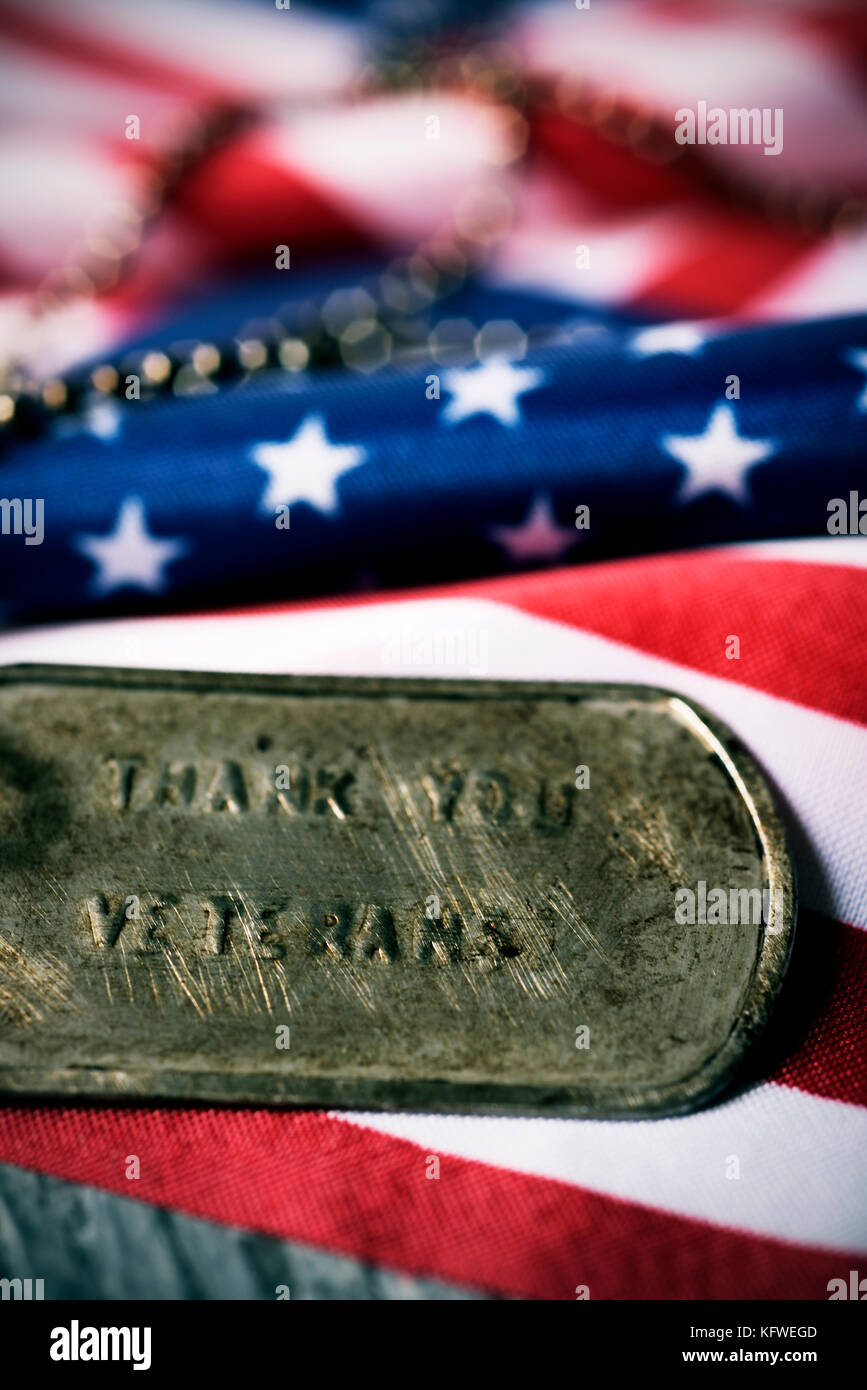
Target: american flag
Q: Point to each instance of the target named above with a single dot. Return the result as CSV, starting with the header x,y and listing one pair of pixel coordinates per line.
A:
x,y
634,428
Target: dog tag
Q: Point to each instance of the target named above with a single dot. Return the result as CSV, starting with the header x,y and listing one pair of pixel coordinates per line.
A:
x,y
491,897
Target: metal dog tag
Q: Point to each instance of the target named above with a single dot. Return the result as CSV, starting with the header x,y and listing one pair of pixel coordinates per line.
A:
x,y
443,895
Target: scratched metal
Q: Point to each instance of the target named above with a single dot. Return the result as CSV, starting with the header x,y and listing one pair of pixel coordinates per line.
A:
x,y
379,893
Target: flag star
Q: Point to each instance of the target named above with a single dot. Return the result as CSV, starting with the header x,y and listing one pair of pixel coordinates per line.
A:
x,y
857,358
306,467
101,418
538,537
667,337
129,556
491,388
717,460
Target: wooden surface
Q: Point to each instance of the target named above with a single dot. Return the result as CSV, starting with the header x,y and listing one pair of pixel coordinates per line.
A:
x,y
89,1244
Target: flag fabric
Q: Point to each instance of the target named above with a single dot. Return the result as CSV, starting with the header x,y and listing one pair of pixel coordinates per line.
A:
x,y
616,442
639,430
540,1207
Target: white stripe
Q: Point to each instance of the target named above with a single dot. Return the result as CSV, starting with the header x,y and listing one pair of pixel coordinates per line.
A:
x,y
628,252
821,550
60,185
801,1160
817,763
255,50
52,93
626,256
379,164
53,341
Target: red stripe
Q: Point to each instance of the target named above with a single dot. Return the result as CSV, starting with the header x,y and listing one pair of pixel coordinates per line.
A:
x,y
724,266
612,173
312,1178
802,627
253,204
819,1029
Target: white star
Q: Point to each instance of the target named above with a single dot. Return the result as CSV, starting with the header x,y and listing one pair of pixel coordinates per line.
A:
x,y
306,467
717,460
857,358
667,337
101,418
491,388
129,556
538,536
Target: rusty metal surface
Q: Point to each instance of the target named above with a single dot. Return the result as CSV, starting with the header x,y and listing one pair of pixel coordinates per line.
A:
x,y
388,894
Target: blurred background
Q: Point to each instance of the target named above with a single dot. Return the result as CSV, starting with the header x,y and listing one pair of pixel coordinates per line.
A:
x,y
436,275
